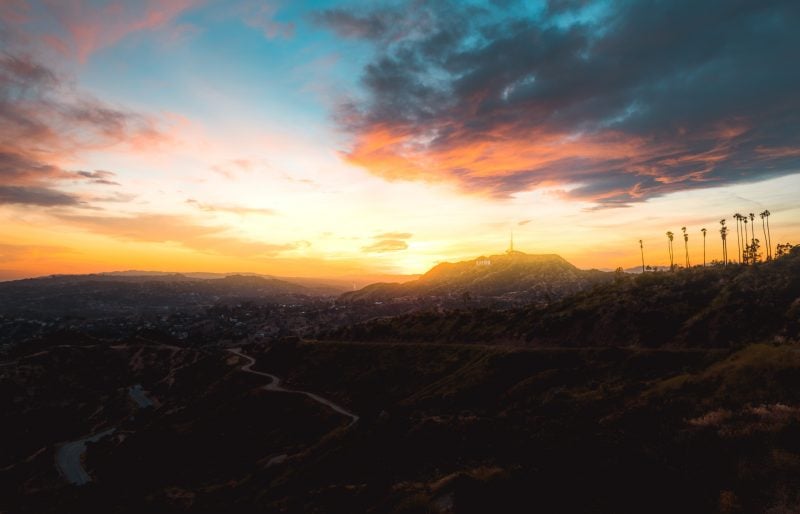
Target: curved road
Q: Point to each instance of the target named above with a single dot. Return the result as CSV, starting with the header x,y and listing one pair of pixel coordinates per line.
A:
x,y
68,458
275,385
68,455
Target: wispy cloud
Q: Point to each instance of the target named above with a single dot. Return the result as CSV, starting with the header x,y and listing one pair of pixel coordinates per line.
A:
x,y
44,121
98,177
233,209
394,235
385,245
40,196
88,27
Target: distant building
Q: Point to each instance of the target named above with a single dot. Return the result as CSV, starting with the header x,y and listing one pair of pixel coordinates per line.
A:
x,y
483,261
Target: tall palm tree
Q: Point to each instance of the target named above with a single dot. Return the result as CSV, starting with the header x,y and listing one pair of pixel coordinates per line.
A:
x,y
765,216
723,232
769,234
686,244
641,247
738,218
670,236
752,228
745,255
703,230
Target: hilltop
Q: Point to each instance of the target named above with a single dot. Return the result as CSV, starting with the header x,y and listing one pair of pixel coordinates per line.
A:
x,y
513,275
709,307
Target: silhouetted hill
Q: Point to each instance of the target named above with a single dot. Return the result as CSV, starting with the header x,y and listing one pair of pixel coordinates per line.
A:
x,y
322,286
713,307
104,294
515,275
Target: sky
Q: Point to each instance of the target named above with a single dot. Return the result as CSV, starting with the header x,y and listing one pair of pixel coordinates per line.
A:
x,y
366,139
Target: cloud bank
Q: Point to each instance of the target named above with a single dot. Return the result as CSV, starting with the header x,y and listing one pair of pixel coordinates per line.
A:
x,y
610,102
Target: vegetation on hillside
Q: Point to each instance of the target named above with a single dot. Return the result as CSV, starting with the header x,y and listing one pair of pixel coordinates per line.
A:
x,y
695,307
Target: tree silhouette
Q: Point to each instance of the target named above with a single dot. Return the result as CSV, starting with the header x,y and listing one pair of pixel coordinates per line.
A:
x,y
703,230
783,249
767,240
744,254
738,218
753,256
686,244
641,247
723,233
769,233
670,236
753,230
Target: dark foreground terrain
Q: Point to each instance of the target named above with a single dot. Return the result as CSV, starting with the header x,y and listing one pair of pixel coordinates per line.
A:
x,y
530,418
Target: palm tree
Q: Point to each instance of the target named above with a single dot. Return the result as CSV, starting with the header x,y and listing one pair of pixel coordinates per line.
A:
x,y
738,218
752,228
670,235
765,216
769,234
744,255
686,244
704,246
641,247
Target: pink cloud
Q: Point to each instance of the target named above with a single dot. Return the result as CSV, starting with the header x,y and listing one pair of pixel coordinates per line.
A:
x,y
91,28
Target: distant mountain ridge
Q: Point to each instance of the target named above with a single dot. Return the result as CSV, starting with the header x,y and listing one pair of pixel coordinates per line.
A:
x,y
515,274
126,293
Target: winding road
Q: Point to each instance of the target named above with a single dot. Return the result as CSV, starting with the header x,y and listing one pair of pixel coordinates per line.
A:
x,y
68,458
275,385
68,455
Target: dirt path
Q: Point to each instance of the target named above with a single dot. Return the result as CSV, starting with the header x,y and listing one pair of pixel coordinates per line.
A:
x,y
275,385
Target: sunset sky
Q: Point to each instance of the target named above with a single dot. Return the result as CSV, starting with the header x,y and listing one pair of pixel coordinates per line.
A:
x,y
359,139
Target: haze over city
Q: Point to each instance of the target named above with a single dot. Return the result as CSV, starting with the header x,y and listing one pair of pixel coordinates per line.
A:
x,y
362,139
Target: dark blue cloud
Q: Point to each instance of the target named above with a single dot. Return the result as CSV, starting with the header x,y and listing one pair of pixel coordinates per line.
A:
x,y
694,93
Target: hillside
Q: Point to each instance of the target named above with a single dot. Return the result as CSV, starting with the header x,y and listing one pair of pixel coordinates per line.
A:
x,y
709,307
442,429
514,275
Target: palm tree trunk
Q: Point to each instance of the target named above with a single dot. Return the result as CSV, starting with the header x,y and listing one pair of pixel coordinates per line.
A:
x,y
704,250
686,249
724,253
744,242
769,237
738,244
642,249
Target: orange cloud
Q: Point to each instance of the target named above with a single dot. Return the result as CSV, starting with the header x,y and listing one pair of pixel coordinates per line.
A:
x,y
385,245
620,167
234,209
